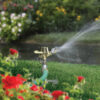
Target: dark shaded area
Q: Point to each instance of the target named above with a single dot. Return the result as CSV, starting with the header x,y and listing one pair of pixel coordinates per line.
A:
x,y
88,54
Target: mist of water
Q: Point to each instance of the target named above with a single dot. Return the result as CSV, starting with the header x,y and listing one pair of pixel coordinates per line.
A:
x,y
69,51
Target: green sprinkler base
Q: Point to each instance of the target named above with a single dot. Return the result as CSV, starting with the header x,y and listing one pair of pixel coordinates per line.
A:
x,y
43,77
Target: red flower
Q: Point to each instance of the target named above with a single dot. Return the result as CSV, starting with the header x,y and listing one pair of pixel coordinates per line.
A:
x,y
22,91
20,97
90,99
37,97
10,82
11,95
24,9
15,5
30,6
41,88
8,93
46,92
13,51
18,75
67,97
2,75
57,93
5,8
80,78
34,88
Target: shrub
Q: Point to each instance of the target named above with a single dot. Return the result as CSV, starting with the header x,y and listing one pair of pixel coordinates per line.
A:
x,y
14,88
12,25
55,15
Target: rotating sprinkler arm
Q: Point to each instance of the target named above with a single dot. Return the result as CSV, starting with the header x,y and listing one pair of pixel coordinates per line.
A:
x,y
44,53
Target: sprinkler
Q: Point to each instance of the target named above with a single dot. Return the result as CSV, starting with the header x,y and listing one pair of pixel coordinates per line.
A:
x,y
44,53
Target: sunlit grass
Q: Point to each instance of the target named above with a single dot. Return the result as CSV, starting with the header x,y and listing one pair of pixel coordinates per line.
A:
x,y
51,38
60,38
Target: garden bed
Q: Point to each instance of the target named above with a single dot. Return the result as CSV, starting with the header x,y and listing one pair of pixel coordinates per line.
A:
x,y
65,72
79,81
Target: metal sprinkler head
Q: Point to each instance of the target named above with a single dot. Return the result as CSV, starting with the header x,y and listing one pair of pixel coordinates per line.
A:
x,y
44,53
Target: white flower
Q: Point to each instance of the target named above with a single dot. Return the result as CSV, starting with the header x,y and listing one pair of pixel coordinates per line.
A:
x,y
19,24
13,30
19,30
4,25
3,18
0,29
15,18
12,15
36,0
3,13
19,16
23,14
12,21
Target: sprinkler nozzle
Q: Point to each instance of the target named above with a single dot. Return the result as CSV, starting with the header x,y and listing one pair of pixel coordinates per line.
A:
x,y
54,50
38,52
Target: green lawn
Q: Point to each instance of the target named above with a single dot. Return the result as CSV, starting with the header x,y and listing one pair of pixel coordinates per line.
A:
x,y
55,38
65,72
60,38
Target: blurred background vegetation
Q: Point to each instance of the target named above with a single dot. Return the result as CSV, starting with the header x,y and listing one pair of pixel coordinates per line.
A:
x,y
48,16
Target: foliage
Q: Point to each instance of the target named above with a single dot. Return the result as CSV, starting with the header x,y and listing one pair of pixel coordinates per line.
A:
x,y
14,87
12,25
9,62
47,16
56,15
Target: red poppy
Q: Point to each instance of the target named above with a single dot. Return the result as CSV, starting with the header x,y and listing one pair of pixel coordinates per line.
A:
x,y
13,51
57,93
34,88
20,97
67,98
10,82
80,78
